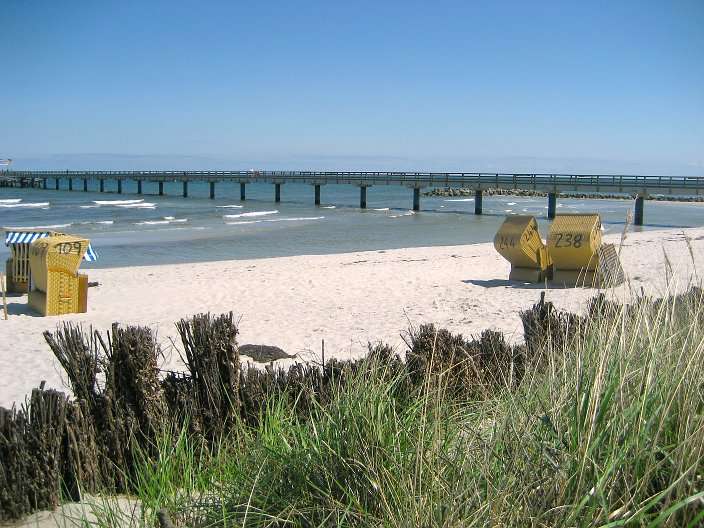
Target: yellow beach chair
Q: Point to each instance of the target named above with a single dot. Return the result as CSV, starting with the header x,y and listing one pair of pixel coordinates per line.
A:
x,y
56,287
578,255
518,241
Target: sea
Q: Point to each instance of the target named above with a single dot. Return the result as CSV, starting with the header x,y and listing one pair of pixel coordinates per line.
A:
x,y
129,229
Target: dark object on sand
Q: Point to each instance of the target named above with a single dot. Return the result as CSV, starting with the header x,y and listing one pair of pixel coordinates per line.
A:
x,y
264,353
164,519
93,284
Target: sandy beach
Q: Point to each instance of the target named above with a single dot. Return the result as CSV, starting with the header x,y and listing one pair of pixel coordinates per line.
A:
x,y
346,299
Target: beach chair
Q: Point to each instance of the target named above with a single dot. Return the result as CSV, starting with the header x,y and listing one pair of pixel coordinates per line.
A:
x,y
17,266
56,287
578,255
518,241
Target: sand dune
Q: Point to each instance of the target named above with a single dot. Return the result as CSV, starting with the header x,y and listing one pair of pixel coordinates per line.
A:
x,y
347,299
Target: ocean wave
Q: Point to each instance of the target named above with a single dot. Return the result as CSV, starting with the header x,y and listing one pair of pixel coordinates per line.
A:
x,y
153,222
30,204
459,200
229,206
10,200
408,213
88,206
511,203
166,221
53,226
328,207
117,202
101,222
141,205
253,213
381,209
272,220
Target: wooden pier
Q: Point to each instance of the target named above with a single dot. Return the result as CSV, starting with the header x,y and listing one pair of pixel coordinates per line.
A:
x,y
554,184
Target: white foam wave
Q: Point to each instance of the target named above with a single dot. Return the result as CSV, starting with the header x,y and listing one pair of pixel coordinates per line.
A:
x,y
229,206
460,200
328,206
382,209
88,206
142,205
271,220
53,226
409,213
29,205
153,222
511,203
10,200
102,222
253,213
117,202
166,221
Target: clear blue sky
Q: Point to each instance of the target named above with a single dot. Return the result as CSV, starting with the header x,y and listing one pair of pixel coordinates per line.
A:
x,y
506,85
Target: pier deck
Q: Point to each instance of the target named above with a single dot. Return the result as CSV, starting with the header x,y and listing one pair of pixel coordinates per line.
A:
x,y
553,184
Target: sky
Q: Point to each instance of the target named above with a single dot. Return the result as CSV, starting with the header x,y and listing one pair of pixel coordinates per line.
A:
x,y
513,85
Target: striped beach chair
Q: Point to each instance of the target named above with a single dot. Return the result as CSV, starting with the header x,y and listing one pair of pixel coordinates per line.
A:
x,y
17,266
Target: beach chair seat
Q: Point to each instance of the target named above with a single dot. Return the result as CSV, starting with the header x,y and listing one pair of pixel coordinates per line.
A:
x,y
518,241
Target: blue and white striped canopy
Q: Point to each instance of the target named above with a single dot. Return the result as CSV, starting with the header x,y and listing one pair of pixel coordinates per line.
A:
x,y
27,237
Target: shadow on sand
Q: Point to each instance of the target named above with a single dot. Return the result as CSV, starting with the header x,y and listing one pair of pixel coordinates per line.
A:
x,y
496,283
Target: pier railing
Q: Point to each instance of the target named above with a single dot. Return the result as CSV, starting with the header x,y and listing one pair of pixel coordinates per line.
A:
x,y
553,184
476,180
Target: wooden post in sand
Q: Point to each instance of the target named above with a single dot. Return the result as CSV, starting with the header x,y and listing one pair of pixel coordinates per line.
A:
x,y
4,296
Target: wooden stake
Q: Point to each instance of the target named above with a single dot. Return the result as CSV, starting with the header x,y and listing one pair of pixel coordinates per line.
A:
x,y
4,296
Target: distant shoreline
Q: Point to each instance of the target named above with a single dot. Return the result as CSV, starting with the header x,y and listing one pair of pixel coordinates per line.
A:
x,y
453,192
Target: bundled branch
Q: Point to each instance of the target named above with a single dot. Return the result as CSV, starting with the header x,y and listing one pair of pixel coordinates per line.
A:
x,y
94,443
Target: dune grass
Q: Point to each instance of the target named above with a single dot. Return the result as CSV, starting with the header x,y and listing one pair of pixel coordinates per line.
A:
x,y
606,429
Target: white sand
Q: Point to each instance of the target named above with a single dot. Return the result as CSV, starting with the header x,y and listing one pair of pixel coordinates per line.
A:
x,y
347,299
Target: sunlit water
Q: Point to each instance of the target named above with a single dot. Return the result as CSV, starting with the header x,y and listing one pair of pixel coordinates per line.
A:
x,y
170,229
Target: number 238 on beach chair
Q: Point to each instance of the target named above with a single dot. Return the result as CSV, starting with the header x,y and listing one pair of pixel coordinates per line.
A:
x,y
579,257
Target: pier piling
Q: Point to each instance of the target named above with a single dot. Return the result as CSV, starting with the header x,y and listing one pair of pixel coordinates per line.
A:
x,y
478,201
139,186
212,190
44,183
243,191
362,197
161,188
85,184
119,186
56,183
102,185
277,192
416,199
317,194
552,205
70,184
185,189
638,217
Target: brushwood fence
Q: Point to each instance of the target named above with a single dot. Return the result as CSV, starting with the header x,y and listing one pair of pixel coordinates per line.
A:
x,y
55,448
